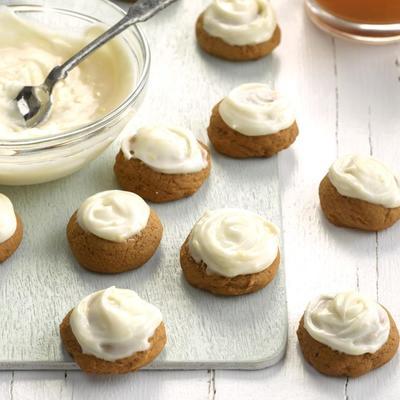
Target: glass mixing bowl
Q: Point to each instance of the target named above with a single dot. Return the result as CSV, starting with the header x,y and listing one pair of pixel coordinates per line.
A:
x,y
25,162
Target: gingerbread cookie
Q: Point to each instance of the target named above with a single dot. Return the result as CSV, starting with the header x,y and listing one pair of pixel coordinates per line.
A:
x,y
252,121
231,252
238,31
114,231
162,163
11,229
113,331
347,335
360,192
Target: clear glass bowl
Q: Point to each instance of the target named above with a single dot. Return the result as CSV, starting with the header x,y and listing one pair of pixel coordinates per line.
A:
x,y
369,33
25,162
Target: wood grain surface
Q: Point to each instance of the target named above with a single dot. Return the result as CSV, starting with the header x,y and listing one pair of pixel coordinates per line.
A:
x,y
43,281
347,99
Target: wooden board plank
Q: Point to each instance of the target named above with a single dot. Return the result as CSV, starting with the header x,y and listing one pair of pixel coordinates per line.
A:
x,y
246,332
73,385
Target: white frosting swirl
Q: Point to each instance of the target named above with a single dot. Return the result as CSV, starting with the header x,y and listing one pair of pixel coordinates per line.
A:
x,y
114,215
234,242
114,323
348,322
168,150
240,22
8,220
365,178
255,109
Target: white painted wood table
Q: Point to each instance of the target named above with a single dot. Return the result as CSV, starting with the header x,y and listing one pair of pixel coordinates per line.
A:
x,y
347,98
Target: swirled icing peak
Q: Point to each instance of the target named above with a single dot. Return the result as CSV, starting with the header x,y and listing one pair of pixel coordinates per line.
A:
x,y
347,322
114,323
255,109
240,22
365,178
114,215
169,150
234,242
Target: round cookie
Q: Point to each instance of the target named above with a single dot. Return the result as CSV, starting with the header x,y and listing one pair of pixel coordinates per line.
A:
x,y
151,344
162,164
362,193
113,232
334,362
243,40
231,252
11,229
252,121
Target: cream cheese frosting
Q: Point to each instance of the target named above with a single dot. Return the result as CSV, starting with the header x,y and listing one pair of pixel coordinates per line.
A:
x,y
240,22
114,323
255,109
348,322
234,242
365,178
169,150
114,215
8,220
28,52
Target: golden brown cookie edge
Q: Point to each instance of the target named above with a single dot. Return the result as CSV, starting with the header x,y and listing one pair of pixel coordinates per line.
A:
x,y
93,365
217,47
196,275
334,363
103,256
353,213
10,246
135,176
231,143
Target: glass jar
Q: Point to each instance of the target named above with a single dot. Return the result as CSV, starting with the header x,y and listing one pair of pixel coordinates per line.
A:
x,y
369,21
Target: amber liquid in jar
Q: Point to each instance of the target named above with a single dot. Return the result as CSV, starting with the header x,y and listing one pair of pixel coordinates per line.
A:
x,y
364,11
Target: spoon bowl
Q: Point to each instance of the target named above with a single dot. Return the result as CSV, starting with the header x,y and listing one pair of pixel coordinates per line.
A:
x,y
34,104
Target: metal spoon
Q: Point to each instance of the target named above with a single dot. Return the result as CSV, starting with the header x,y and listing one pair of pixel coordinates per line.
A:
x,y
34,102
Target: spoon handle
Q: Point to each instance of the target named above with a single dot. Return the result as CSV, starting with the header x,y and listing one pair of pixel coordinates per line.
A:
x,y
141,11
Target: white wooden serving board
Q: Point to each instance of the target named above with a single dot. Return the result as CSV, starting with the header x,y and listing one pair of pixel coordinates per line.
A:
x,y
42,282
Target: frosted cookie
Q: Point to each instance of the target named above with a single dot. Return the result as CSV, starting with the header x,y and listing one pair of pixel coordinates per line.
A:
x,y
347,335
113,331
114,231
162,163
231,252
361,192
11,229
238,30
252,121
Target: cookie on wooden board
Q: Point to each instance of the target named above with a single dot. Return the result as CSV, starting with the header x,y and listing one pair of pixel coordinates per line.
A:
x,y
231,252
113,232
11,229
253,34
362,193
162,163
347,335
133,328
252,121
